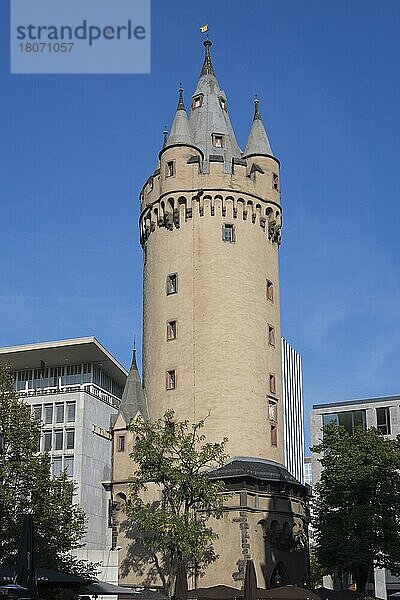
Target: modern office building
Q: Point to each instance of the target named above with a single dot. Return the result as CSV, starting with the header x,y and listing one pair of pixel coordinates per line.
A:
x,y
293,414
210,228
382,413
307,470
74,387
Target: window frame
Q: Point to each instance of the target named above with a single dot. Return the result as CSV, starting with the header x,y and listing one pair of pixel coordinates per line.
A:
x,y
198,98
169,380
272,384
218,137
174,330
121,443
170,169
271,335
228,227
387,424
270,290
168,281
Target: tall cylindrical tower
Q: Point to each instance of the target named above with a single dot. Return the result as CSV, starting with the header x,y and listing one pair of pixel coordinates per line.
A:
x,y
210,230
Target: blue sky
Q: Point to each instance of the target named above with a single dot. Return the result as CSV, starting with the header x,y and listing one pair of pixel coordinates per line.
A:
x,y
76,149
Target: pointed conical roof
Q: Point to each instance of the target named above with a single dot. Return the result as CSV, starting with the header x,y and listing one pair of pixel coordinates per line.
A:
x,y
133,399
257,142
209,116
180,131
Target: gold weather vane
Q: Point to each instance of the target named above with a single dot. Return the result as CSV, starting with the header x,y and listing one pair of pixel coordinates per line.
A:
x,y
204,28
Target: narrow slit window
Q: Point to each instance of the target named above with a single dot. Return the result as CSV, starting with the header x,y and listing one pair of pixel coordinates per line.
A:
x,y
275,181
170,168
172,330
271,335
222,102
121,443
218,140
274,435
272,383
172,283
171,379
270,290
228,233
272,410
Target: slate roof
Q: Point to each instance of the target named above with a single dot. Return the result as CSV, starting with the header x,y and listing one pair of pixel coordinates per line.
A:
x,y
256,468
257,142
133,399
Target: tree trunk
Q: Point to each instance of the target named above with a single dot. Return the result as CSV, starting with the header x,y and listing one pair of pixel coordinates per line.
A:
x,y
361,581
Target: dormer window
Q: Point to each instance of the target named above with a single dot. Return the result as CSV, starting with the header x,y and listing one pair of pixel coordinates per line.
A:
x,y
197,101
222,102
218,140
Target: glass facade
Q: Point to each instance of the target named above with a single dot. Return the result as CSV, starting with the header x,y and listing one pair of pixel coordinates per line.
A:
x,y
349,419
58,378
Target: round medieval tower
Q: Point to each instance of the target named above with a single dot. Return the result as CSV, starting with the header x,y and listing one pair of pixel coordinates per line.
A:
x,y
210,229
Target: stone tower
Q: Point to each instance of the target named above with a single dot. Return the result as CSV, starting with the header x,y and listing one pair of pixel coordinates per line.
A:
x,y
210,229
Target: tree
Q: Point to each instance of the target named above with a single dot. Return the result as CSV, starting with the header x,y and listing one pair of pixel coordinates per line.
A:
x,y
26,485
357,503
172,462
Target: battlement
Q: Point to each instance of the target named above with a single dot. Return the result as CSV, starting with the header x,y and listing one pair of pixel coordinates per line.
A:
x,y
173,210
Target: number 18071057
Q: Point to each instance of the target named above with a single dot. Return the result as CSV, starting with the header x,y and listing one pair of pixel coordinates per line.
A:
x,y
39,47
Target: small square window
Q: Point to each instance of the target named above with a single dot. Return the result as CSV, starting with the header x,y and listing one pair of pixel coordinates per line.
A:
x,y
170,168
270,290
272,383
171,379
275,181
228,232
172,330
172,283
271,335
197,101
121,443
274,435
218,140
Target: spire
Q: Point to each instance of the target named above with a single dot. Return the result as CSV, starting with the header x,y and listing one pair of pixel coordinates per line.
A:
x,y
257,142
180,131
165,136
209,119
208,68
133,400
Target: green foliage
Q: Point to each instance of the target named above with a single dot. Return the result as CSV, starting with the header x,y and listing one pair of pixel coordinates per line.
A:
x,y
26,485
172,460
357,503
